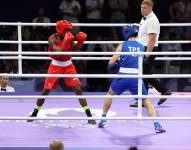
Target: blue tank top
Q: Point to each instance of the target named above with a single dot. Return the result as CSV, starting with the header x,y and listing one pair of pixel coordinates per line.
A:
x,y
130,61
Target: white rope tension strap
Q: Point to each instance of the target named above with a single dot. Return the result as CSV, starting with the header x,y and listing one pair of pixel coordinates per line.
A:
x,y
95,118
91,96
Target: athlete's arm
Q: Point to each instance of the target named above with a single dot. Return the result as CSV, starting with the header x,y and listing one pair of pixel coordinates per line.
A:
x,y
151,42
54,46
115,57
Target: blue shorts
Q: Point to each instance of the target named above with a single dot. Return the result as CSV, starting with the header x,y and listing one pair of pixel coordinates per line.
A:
x,y
119,85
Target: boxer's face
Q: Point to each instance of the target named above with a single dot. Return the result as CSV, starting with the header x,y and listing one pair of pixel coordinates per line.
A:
x,y
145,9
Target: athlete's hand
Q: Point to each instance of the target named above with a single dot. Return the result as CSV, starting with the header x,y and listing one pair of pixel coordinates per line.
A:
x,y
146,60
80,37
113,68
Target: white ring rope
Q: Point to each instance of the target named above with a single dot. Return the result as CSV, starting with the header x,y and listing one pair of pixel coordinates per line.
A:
x,y
98,75
93,53
95,118
48,58
87,58
91,96
90,24
173,58
90,42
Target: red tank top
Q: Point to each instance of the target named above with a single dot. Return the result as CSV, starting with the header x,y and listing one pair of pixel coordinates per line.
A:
x,y
50,49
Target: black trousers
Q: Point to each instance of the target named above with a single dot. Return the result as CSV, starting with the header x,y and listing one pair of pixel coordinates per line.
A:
x,y
148,69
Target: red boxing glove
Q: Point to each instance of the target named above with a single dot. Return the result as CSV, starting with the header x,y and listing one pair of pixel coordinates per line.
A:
x,y
80,37
66,43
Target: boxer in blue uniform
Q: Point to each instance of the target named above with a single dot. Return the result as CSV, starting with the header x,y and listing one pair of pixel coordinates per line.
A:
x,y
127,64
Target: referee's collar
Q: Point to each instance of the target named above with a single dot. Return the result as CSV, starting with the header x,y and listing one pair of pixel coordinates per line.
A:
x,y
148,16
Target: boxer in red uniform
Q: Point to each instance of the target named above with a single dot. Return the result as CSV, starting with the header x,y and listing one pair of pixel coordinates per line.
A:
x,y
62,41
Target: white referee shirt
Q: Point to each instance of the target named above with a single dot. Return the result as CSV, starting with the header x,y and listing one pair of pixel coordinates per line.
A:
x,y
7,89
148,25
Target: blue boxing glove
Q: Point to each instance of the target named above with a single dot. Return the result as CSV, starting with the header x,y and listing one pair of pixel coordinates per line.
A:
x,y
146,60
113,68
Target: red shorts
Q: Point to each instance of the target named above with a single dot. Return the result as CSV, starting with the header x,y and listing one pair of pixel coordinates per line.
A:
x,y
51,82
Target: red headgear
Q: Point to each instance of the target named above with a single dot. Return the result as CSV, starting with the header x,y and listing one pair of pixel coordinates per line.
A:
x,y
63,25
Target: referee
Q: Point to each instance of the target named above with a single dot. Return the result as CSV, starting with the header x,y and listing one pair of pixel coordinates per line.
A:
x,y
148,35
4,85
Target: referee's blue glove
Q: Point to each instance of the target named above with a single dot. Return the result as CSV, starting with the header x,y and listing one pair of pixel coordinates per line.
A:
x,y
113,68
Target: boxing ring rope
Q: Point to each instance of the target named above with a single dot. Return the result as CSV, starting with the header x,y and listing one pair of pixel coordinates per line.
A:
x,y
90,24
91,96
80,75
86,58
20,56
95,118
89,42
98,75
48,58
93,53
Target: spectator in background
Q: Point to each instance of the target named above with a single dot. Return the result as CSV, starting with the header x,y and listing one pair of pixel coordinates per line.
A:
x,y
94,10
70,10
11,66
56,145
42,31
188,10
118,15
94,15
5,32
171,35
187,34
98,84
41,18
178,11
104,47
36,66
39,33
4,85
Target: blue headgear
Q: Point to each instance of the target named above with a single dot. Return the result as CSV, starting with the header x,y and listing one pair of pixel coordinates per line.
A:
x,y
129,31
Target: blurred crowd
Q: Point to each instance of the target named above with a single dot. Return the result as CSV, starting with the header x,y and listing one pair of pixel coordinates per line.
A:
x,y
97,11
